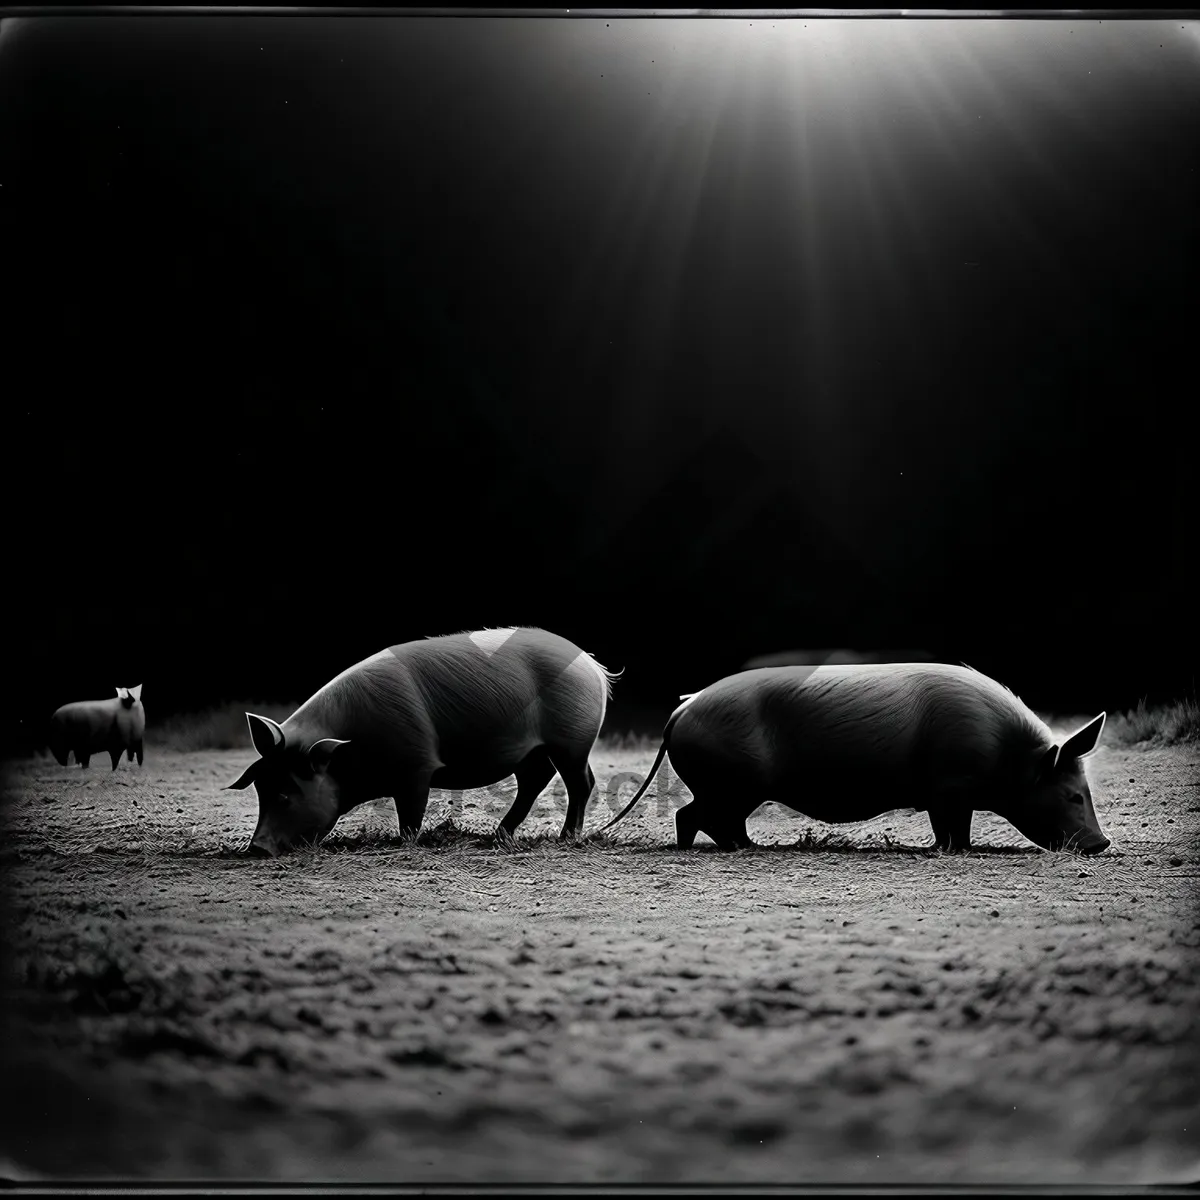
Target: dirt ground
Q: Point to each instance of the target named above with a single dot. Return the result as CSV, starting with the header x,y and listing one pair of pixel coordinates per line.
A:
x,y
857,1011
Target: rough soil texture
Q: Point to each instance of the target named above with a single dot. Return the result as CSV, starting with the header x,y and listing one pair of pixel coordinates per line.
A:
x,y
867,1011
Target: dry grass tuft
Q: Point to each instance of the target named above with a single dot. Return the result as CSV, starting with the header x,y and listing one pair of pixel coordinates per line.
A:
x,y
1159,725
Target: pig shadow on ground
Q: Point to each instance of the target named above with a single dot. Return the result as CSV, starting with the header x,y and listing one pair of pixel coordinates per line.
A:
x,y
487,844
448,835
807,846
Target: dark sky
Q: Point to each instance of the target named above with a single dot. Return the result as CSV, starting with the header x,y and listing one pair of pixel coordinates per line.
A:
x,y
689,340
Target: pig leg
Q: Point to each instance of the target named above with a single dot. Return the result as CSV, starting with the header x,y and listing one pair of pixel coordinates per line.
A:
x,y
687,825
727,825
581,782
730,833
138,749
951,827
411,801
115,755
533,773
726,829
84,758
58,747
581,785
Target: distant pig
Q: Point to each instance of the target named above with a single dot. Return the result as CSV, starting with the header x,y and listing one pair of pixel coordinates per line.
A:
x,y
89,727
850,742
458,712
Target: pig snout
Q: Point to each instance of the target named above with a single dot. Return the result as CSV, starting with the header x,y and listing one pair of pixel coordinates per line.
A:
x,y
261,847
1082,842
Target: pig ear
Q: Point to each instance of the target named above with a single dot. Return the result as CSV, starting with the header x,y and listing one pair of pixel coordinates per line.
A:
x,y
320,753
136,692
246,778
1048,762
266,735
120,693
1084,740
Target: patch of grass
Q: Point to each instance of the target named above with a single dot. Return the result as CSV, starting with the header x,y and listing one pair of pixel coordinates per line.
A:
x,y
628,743
221,727
447,834
1172,724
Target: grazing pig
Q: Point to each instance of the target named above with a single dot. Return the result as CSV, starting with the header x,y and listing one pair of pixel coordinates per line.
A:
x,y
847,743
457,712
91,726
